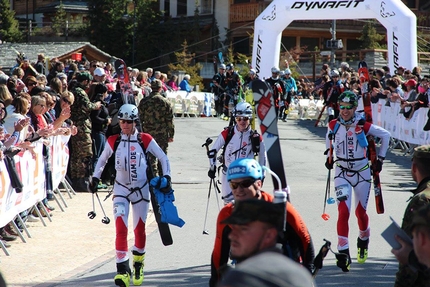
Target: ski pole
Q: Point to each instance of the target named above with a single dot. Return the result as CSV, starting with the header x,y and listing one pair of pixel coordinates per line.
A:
x,y
92,213
105,219
327,198
206,144
219,191
319,117
205,231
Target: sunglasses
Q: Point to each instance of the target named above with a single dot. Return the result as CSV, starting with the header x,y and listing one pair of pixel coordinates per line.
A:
x,y
346,107
244,184
242,119
129,122
31,84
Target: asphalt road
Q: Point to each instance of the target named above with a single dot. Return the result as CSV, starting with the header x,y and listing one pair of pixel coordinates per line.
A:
x,y
187,261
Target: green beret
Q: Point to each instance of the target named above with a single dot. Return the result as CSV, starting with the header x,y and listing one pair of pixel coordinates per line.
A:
x,y
84,76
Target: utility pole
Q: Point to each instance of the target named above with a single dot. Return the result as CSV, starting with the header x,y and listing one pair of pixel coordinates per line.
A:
x,y
333,48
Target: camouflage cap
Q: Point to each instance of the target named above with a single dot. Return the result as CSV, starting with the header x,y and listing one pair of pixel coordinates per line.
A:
x,y
250,210
421,216
84,76
422,151
156,84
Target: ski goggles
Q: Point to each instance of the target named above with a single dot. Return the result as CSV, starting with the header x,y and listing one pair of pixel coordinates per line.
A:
x,y
346,107
244,184
242,119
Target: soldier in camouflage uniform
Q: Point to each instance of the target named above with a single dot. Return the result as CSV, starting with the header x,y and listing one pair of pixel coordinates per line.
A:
x,y
156,119
81,144
411,272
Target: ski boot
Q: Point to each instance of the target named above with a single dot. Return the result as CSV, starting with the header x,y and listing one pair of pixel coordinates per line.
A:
x,y
362,250
122,278
138,264
343,260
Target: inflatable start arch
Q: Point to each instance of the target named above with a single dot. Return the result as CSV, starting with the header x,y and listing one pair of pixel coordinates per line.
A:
x,y
396,17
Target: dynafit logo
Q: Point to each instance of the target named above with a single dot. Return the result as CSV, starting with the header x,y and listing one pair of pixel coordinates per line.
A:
x,y
308,5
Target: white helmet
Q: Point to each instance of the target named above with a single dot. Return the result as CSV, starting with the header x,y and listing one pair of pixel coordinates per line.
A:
x,y
128,112
252,72
275,70
242,109
287,71
334,73
222,66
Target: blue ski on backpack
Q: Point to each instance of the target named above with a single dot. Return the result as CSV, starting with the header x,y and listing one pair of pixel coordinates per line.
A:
x,y
169,212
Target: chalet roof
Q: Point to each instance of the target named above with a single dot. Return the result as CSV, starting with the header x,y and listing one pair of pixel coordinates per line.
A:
x,y
60,50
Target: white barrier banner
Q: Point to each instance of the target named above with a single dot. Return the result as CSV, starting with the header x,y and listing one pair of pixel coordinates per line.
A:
x,y
195,103
32,174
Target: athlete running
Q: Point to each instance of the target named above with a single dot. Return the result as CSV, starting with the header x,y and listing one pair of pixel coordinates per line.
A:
x,y
237,141
131,186
348,133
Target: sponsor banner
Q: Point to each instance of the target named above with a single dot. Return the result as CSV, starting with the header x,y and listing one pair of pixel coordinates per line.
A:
x,y
31,170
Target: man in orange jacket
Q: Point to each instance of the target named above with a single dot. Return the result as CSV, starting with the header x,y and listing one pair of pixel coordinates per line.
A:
x,y
245,178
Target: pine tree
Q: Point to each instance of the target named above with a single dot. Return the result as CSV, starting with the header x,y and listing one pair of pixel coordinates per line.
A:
x,y
9,26
370,38
185,62
59,21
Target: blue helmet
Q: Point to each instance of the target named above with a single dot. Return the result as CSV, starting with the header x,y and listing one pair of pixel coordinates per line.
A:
x,y
244,167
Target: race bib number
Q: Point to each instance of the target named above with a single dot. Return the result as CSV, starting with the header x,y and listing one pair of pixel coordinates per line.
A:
x,y
342,192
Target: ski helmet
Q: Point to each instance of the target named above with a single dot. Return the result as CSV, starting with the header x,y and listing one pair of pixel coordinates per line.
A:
x,y
244,167
275,70
242,109
127,112
222,66
252,72
230,66
334,73
287,71
348,97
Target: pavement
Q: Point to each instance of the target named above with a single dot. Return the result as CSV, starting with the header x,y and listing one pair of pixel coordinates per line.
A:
x,y
54,251
74,250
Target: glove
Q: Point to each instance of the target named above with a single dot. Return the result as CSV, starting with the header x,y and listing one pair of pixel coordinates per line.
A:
x,y
329,165
94,184
211,172
378,165
166,184
211,153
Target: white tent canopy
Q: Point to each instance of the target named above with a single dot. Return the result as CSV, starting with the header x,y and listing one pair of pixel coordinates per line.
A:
x,y
394,15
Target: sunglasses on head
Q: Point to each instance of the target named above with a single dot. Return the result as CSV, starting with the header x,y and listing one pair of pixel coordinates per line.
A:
x,y
346,107
242,119
244,184
126,122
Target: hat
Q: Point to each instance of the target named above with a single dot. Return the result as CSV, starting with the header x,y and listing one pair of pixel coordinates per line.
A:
x,y
252,72
421,216
129,69
250,210
156,84
99,72
411,83
84,76
268,269
422,151
3,79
